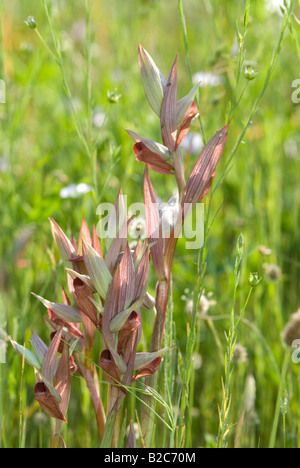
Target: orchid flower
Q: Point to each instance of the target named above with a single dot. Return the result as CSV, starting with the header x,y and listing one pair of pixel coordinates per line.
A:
x,y
107,290
166,158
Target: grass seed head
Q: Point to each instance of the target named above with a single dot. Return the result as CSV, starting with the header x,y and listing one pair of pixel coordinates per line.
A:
x,y
291,331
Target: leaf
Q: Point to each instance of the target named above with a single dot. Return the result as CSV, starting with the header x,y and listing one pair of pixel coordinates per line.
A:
x,y
97,270
117,247
65,248
119,320
117,222
63,380
127,279
111,308
88,312
150,369
153,80
98,306
39,347
184,104
50,362
96,242
201,176
83,235
63,311
184,127
109,366
144,359
142,276
83,300
84,278
47,401
153,146
153,160
28,355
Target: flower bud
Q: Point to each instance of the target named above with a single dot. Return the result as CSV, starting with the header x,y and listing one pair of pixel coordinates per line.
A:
x,y
254,280
31,22
113,97
153,80
250,73
28,355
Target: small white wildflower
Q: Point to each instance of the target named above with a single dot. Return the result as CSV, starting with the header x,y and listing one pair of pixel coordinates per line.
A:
x,y
189,307
207,79
205,303
138,229
98,118
203,307
84,188
75,191
192,143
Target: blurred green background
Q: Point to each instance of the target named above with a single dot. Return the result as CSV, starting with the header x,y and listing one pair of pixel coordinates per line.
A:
x,y
260,196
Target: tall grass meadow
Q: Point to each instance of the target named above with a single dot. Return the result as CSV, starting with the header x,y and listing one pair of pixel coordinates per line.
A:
x,y
143,342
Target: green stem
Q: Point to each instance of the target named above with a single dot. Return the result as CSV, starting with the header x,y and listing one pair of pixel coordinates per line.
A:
x,y
54,442
46,45
255,107
284,370
86,141
231,341
109,435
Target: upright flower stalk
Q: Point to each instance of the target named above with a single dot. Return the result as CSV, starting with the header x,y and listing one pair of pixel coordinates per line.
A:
x,y
108,281
166,158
